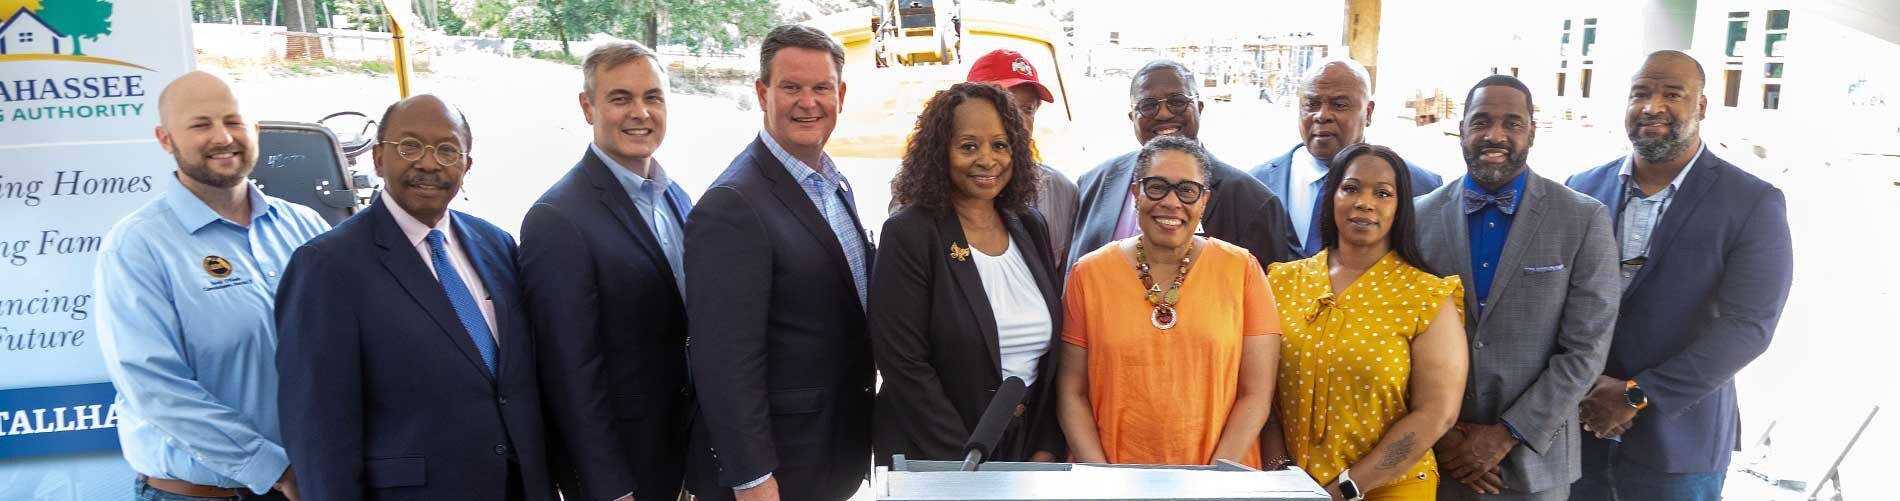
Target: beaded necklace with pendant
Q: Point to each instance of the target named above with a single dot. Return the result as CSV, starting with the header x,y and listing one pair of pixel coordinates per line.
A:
x,y
1164,316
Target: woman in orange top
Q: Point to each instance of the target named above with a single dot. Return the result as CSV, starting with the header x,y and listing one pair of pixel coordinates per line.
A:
x,y
1160,367
1374,359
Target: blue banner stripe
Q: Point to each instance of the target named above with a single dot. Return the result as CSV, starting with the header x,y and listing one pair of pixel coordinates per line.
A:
x,y
58,420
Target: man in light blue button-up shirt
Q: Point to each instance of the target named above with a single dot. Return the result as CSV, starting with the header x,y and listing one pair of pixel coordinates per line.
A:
x,y
186,285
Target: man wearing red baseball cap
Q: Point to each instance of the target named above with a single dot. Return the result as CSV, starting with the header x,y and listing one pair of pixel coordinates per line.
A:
x,y
1058,196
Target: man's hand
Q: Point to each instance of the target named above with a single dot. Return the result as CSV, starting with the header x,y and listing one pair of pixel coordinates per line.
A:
x,y
1473,453
1042,457
1449,443
1605,411
287,484
1488,483
767,491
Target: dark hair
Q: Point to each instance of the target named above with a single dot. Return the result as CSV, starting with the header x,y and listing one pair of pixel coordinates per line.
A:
x,y
1502,81
801,36
468,136
1188,82
1146,158
924,178
1404,235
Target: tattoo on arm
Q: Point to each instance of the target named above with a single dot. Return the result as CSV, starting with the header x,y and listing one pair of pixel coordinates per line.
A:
x,y
1395,455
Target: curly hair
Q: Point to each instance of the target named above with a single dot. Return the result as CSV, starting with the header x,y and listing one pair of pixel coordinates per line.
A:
x,y
924,178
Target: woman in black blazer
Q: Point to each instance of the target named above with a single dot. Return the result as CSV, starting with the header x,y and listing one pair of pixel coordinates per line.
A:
x,y
966,290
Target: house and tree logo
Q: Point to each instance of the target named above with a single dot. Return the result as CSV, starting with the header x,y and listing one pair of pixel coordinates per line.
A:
x,y
53,29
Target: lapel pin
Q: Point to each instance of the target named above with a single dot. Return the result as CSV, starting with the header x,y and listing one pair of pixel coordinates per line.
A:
x,y
958,253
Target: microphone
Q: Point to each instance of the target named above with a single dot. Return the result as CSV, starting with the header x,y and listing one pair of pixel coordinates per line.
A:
x,y
996,417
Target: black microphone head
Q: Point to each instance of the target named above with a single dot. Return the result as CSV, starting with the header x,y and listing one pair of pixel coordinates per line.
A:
x,y
996,417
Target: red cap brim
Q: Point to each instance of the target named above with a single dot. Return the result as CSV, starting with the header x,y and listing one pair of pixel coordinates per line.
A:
x,y
1011,83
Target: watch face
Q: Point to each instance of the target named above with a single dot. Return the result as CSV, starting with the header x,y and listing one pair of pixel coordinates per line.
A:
x,y
1349,489
1636,396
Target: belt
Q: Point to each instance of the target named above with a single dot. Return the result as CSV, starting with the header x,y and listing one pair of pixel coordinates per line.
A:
x,y
184,488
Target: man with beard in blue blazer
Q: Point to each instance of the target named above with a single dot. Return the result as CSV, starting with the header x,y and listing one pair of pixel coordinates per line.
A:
x,y
1706,263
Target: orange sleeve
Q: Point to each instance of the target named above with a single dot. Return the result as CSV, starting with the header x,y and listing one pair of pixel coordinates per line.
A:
x,y
1263,314
1074,319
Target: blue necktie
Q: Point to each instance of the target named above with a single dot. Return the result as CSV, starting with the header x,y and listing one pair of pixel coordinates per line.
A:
x,y
1505,200
466,309
1312,230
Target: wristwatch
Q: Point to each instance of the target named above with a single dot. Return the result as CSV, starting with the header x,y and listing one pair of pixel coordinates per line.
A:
x,y
1349,489
1634,395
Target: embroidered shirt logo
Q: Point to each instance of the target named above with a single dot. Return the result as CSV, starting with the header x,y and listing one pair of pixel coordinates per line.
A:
x,y
217,267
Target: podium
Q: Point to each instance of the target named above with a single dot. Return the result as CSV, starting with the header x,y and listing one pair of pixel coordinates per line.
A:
x,y
906,480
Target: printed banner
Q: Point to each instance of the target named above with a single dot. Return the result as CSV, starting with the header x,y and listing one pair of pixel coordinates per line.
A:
x,y
58,420
79,86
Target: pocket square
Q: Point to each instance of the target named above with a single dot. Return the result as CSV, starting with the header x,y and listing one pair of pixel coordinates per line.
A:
x,y
1543,269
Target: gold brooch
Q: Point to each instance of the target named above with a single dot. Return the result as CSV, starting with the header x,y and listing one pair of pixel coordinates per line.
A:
x,y
958,253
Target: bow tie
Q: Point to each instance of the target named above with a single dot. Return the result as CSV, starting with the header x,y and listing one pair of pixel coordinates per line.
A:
x,y
1505,200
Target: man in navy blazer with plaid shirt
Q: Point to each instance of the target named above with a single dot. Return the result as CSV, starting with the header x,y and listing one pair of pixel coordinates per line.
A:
x,y
1706,263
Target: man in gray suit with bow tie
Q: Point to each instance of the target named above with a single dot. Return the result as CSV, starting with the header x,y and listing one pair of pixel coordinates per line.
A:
x,y
1539,268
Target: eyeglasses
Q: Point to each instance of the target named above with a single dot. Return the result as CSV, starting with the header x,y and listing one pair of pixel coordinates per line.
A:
x,y
411,149
1177,104
1156,188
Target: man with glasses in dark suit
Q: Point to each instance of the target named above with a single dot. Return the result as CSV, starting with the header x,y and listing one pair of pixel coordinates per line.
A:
x,y
407,365
1164,102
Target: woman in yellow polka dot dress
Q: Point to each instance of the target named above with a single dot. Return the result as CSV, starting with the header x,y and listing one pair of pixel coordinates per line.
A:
x,y
1373,360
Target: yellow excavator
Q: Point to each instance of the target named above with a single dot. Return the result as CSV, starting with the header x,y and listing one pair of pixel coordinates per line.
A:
x,y
900,53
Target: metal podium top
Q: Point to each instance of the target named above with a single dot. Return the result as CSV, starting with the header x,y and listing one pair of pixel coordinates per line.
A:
x,y
940,481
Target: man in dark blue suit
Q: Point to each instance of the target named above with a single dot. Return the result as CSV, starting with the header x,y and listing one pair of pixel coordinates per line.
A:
x,y
1706,266
1335,108
406,366
601,269
776,267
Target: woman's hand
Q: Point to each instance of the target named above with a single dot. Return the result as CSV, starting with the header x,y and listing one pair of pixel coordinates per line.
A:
x,y
1273,452
1072,398
1332,489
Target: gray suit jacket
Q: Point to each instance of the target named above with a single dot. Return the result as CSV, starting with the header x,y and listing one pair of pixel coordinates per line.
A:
x,y
1540,341
1056,201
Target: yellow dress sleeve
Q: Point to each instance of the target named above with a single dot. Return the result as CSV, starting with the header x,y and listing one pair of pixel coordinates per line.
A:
x,y
1438,290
